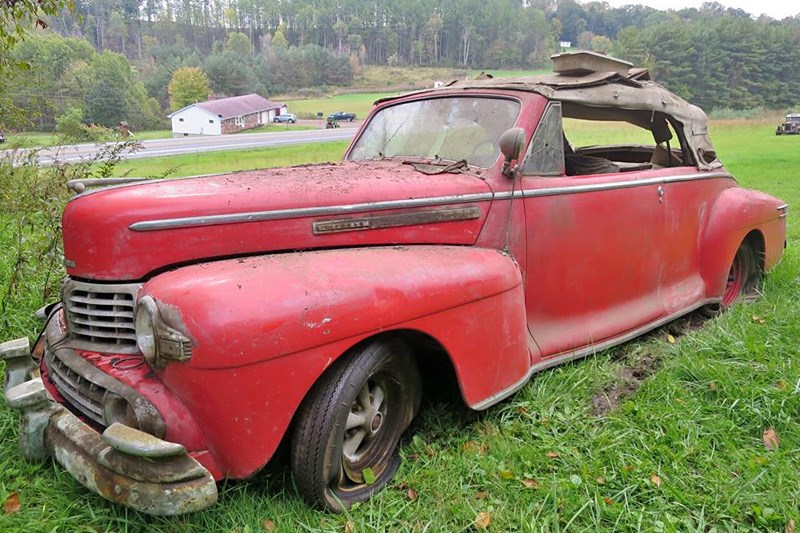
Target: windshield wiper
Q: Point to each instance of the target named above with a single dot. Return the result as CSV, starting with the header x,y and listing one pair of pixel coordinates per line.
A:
x,y
437,166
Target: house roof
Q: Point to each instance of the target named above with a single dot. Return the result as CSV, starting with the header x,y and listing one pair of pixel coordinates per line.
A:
x,y
234,106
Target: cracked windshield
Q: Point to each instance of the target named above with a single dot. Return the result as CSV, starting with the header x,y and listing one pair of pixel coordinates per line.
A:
x,y
439,129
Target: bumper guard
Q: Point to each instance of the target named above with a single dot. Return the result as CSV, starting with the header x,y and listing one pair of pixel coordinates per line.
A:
x,y
123,464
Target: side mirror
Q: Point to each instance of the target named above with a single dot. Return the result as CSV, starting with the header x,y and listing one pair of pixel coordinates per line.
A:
x,y
511,143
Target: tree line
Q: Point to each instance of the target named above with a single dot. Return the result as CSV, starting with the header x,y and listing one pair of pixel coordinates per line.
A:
x,y
114,59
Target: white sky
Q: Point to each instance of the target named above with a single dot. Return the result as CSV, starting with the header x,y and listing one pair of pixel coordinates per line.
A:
x,y
777,9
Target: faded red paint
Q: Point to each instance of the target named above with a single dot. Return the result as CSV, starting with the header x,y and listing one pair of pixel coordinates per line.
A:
x,y
97,238
552,267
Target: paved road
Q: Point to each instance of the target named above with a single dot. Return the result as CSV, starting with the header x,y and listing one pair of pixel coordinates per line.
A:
x,y
190,145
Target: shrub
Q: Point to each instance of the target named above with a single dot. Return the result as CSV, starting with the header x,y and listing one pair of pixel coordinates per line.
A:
x,y
32,198
71,128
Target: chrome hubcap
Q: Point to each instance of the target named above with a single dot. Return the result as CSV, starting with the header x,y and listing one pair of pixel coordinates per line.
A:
x,y
363,427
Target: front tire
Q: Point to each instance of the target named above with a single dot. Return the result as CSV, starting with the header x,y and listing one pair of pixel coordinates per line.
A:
x,y
344,445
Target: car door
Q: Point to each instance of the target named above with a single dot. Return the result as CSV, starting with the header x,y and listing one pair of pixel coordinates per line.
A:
x,y
593,259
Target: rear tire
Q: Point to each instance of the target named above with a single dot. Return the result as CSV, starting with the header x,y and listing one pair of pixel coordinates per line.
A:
x,y
744,280
744,277
349,425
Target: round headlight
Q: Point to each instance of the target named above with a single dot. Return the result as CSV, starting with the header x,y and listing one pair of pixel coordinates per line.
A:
x,y
146,313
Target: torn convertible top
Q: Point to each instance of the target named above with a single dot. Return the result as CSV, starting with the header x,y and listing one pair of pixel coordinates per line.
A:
x,y
611,95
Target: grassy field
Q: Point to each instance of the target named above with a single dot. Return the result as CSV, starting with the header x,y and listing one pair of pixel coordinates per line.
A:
x,y
228,161
695,427
33,139
394,81
358,103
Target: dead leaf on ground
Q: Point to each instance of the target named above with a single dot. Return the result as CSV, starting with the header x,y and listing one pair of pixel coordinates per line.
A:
x,y
530,483
759,320
483,520
411,494
475,447
627,468
269,526
671,339
771,440
11,505
790,527
601,480
655,480
349,527
781,385
552,455
712,386
609,501
482,495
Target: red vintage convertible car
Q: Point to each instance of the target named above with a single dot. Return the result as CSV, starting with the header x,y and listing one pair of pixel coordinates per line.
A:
x,y
205,320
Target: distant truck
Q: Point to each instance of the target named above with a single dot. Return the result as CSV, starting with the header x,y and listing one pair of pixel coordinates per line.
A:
x,y
349,117
791,126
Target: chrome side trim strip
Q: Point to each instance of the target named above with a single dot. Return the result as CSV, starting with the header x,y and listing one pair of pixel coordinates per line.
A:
x,y
585,352
257,216
592,187
415,218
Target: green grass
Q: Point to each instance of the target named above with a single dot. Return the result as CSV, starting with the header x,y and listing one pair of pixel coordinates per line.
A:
x,y
35,139
277,128
684,452
358,103
228,161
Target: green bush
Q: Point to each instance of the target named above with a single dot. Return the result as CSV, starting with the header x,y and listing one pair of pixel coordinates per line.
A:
x,y
71,128
32,198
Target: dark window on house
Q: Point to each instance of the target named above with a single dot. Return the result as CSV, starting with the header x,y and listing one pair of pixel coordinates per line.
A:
x,y
211,121
180,120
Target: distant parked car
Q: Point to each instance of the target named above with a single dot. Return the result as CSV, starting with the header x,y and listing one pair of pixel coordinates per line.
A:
x,y
341,115
791,126
286,117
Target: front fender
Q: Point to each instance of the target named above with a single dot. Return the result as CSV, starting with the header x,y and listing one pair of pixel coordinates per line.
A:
x,y
246,316
735,214
242,311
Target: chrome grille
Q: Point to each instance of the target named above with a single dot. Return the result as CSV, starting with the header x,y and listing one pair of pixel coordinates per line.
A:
x,y
83,395
100,317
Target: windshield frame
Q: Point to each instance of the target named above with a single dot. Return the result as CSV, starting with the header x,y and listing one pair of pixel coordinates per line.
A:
x,y
416,97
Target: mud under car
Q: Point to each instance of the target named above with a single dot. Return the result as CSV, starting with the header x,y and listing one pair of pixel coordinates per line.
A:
x,y
204,321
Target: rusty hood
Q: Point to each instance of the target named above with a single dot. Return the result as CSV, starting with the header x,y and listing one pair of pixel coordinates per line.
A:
x,y
130,232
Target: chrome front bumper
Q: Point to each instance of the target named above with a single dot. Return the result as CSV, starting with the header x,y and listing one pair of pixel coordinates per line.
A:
x,y
123,464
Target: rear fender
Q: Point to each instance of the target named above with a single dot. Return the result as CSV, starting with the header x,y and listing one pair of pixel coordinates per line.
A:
x,y
264,329
737,213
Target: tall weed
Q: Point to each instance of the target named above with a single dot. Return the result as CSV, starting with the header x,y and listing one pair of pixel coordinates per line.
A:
x,y
32,198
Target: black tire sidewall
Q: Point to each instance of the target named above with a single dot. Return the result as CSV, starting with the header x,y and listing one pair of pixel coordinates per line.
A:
x,y
319,432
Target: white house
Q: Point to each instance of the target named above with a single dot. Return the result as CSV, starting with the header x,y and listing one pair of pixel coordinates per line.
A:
x,y
224,115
